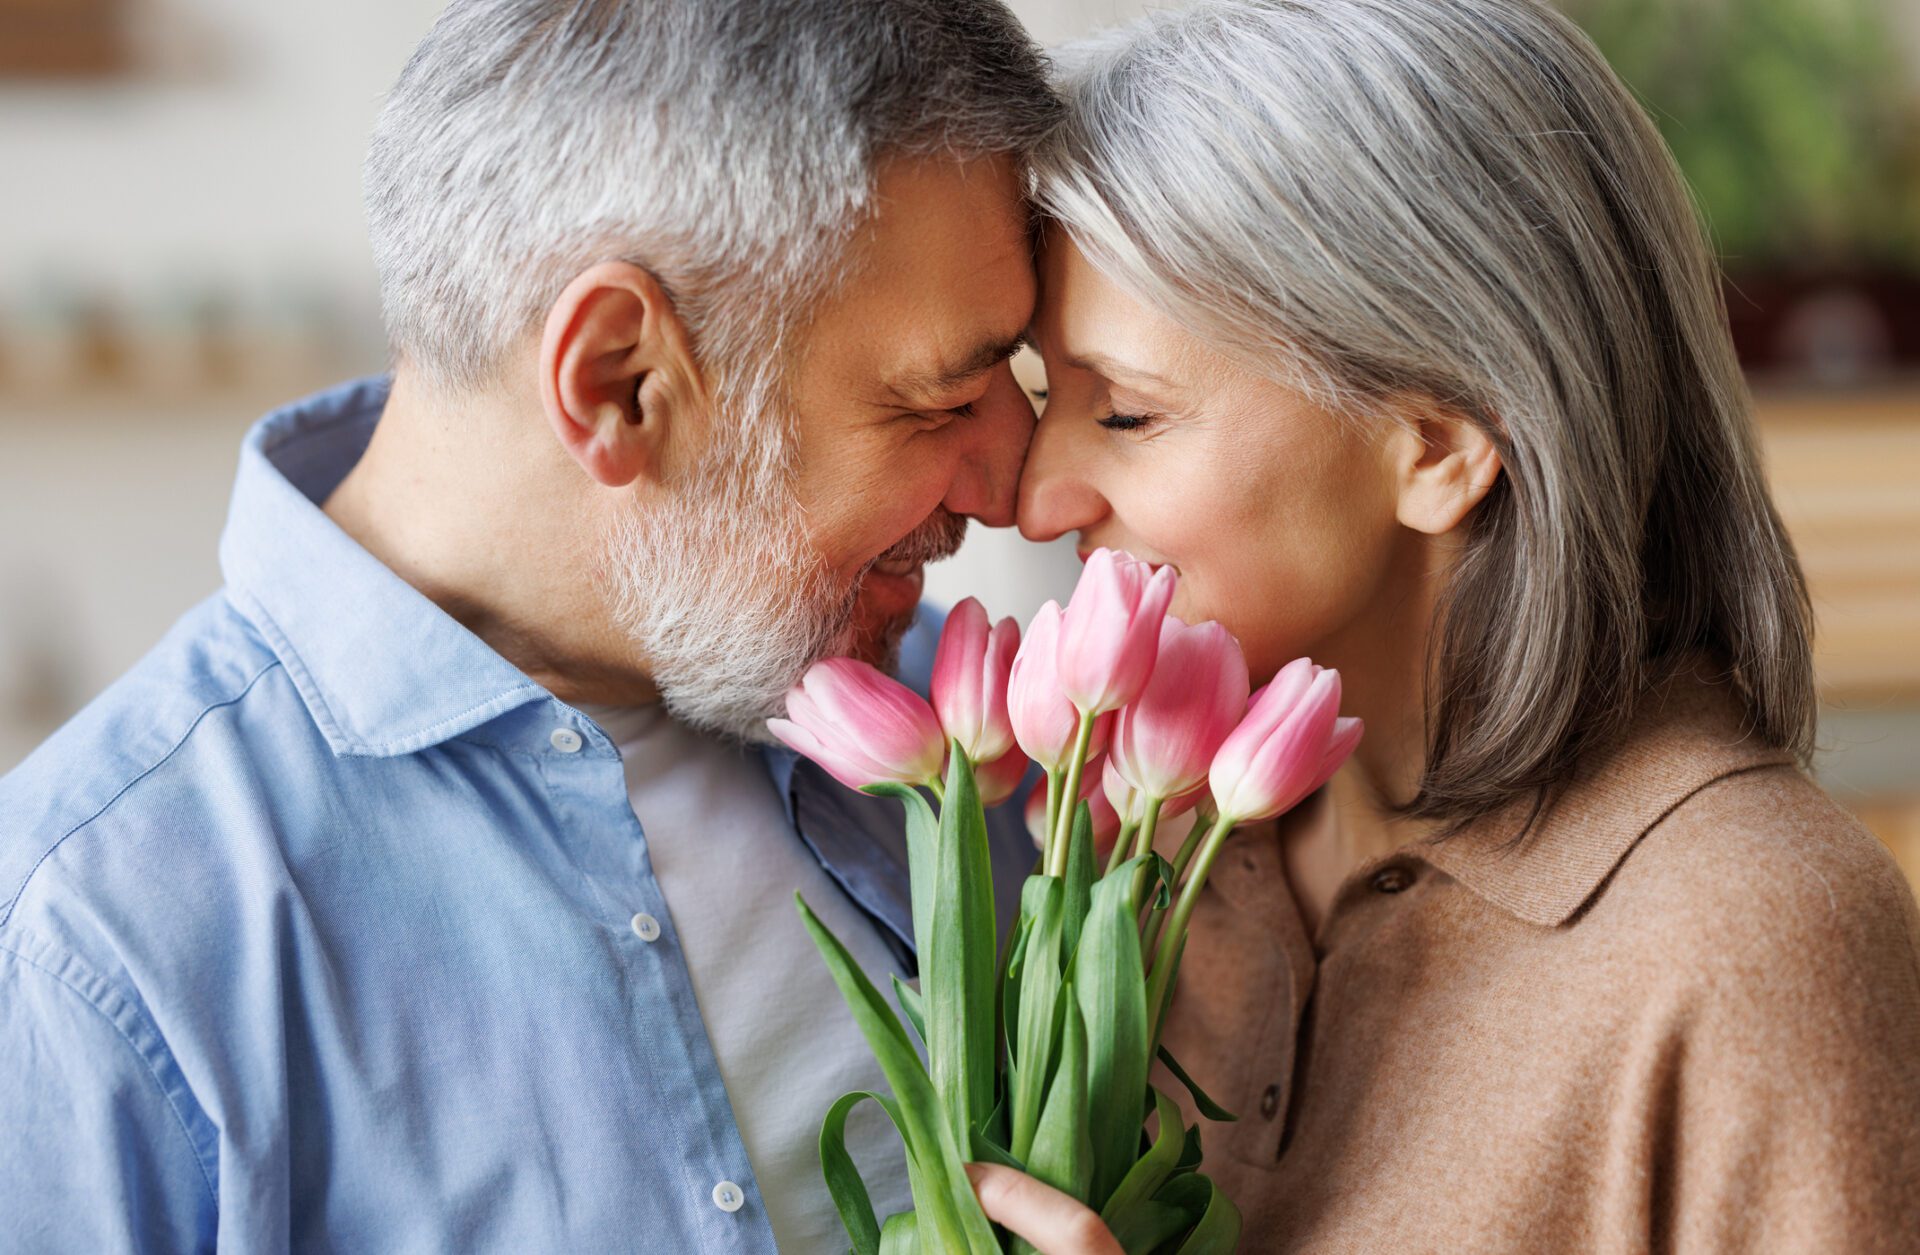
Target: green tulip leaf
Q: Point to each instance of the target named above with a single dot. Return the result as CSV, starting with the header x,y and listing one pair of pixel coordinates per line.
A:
x,y
957,973
1079,879
844,1183
923,837
1153,1169
1217,1232
1150,1225
1207,1107
1190,1153
909,999
943,1196
900,1235
1110,985
988,1149
1062,1148
1039,1012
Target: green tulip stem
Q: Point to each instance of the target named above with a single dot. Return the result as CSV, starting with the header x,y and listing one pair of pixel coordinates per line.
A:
x,y
1053,816
1121,844
1150,931
1201,822
1143,841
1070,798
1142,844
1159,984
1157,918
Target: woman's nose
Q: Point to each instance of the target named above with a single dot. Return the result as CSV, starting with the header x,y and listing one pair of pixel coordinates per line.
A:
x,y
1057,493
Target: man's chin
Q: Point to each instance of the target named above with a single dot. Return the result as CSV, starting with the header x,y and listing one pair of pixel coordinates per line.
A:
x,y
883,610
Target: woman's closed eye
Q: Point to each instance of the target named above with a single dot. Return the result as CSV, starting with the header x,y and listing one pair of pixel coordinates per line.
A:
x,y
1127,422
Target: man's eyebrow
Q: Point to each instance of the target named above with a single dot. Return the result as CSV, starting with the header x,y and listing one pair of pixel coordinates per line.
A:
x,y
926,383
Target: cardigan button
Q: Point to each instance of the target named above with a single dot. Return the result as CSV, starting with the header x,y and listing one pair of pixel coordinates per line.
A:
x,y
1392,880
1270,1101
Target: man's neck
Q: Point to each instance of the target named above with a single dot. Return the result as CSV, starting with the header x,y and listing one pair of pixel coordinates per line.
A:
x,y
474,511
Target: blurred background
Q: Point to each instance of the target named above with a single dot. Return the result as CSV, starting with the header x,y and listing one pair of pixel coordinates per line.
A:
x,y
181,249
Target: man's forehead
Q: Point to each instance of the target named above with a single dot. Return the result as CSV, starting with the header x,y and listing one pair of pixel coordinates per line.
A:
x,y
942,283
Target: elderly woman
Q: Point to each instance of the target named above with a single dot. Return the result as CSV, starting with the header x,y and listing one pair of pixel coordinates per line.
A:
x,y
1390,325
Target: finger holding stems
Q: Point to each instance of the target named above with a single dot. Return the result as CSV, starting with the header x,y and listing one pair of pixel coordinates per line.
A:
x,y
1055,1223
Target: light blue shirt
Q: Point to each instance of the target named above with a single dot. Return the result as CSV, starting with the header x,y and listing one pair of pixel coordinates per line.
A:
x,y
316,931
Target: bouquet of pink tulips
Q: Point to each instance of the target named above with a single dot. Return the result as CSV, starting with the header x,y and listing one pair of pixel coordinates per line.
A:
x,y
1038,1058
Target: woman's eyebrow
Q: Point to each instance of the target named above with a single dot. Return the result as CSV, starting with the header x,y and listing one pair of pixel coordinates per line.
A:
x,y
1100,363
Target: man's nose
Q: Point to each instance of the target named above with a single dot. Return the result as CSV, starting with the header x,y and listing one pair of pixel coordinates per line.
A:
x,y
986,483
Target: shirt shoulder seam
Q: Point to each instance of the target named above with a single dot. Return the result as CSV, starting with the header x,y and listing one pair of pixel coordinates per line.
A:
x,y
14,899
180,1119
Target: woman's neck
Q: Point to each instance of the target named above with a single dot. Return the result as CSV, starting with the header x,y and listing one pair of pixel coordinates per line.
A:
x,y
1382,657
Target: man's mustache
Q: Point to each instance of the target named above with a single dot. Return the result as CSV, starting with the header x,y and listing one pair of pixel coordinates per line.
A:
x,y
937,538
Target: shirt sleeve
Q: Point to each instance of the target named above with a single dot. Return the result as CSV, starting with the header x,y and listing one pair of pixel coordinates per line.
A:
x,y
94,1154
1795,1124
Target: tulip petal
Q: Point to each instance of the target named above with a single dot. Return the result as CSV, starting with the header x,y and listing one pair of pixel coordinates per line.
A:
x,y
1340,746
956,674
1110,631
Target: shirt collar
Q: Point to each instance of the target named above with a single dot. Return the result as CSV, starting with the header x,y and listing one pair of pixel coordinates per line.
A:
x,y
383,670
1688,734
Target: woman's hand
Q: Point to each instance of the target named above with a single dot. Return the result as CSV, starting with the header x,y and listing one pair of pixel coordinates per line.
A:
x,y
1056,1223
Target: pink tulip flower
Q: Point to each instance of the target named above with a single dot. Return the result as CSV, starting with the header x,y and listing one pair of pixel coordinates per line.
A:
x,y
997,780
1286,747
1340,747
970,671
1044,721
1110,633
1130,805
1165,740
862,726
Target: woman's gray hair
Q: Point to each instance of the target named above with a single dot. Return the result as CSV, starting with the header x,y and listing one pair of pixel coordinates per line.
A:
x,y
1458,199
729,146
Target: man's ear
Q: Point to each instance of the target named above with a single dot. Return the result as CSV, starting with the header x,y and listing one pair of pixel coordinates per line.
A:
x,y
617,372
1443,465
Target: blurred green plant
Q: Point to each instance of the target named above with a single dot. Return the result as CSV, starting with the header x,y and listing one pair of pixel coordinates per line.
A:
x,y
1797,122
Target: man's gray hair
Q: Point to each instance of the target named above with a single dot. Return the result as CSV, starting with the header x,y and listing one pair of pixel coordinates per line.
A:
x,y
728,146
1457,199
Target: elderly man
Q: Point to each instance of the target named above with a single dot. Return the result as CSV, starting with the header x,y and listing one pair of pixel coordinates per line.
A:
x,y
418,892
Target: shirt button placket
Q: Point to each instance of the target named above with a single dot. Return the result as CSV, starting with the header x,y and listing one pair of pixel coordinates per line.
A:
x,y
728,1197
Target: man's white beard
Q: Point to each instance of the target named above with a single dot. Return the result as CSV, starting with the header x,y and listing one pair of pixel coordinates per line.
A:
x,y
726,599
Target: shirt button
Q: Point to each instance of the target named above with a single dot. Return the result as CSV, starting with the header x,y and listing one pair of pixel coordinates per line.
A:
x,y
728,1197
1392,880
1270,1101
645,926
566,740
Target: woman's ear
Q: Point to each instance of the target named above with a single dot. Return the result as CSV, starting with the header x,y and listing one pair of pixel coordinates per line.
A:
x,y
617,373
1443,465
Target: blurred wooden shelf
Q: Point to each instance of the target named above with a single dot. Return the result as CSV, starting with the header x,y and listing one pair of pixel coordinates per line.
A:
x,y
1897,822
1845,470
